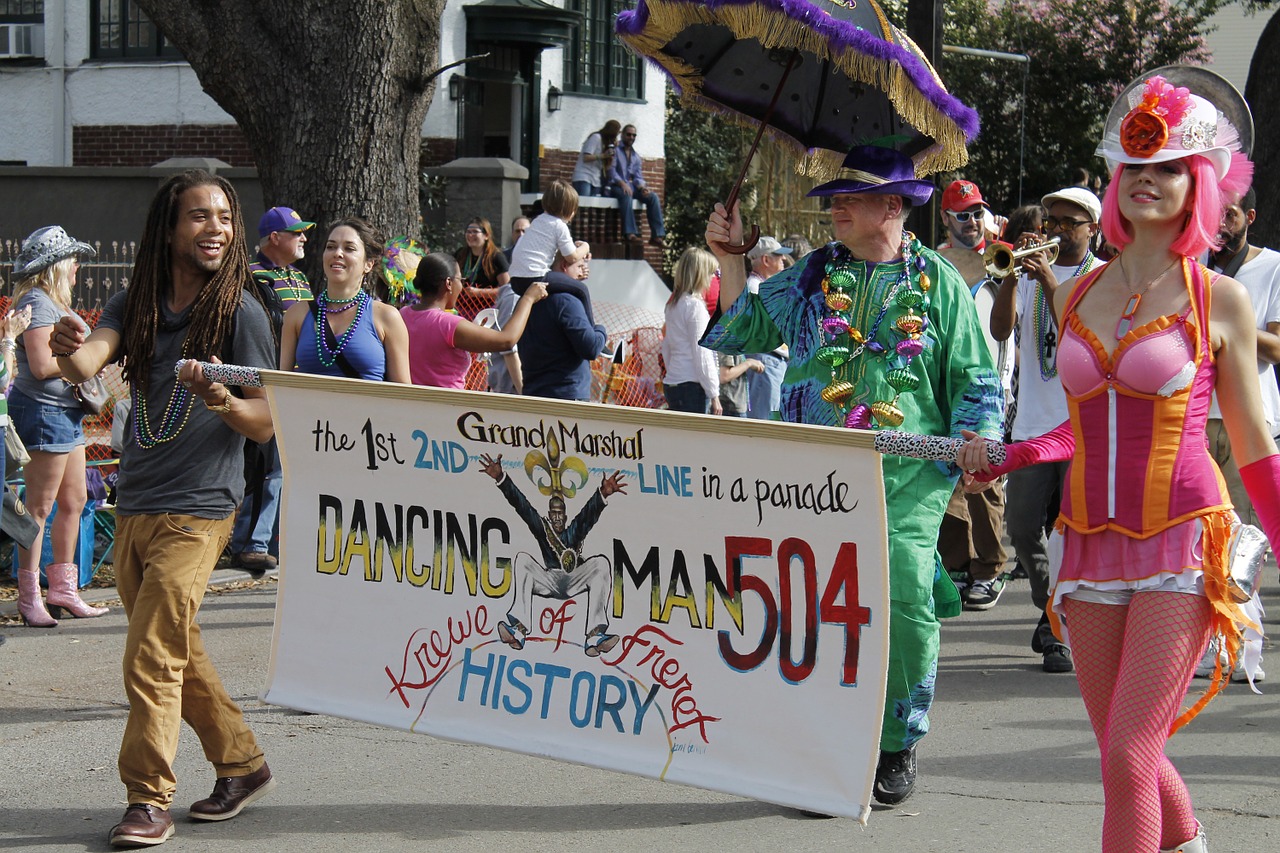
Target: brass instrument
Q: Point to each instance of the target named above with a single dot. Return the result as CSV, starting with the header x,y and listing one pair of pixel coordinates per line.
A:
x,y
1001,259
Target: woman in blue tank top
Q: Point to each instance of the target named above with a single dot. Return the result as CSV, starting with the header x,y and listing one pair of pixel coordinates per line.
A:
x,y
345,331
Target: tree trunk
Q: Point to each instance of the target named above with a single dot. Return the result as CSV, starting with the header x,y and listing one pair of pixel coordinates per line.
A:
x,y
330,94
1263,94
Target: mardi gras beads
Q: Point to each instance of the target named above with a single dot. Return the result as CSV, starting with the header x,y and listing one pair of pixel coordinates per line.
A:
x,y
846,346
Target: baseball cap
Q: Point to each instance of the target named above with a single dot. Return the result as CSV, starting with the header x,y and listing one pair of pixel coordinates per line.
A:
x,y
961,195
767,246
282,219
1080,197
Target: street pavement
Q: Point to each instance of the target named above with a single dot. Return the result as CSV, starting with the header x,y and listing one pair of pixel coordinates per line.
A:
x,y
1011,764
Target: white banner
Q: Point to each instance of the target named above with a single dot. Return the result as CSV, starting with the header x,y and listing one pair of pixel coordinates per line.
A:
x,y
695,599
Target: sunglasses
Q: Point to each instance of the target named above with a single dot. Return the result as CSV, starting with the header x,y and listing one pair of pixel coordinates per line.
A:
x,y
1053,223
966,215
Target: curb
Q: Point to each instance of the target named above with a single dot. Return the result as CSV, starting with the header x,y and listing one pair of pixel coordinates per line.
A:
x,y
219,578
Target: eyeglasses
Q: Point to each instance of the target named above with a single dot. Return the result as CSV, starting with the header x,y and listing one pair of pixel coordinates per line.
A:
x,y
966,215
1053,223
474,231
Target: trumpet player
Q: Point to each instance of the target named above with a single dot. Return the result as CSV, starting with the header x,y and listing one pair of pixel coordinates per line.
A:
x,y
1026,298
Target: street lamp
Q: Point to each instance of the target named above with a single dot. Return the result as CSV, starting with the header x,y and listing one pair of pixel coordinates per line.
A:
x,y
553,100
455,87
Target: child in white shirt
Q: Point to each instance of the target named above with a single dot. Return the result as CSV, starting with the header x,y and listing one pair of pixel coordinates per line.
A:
x,y
534,254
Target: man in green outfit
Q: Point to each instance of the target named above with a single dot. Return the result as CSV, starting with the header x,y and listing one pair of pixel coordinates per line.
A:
x,y
882,333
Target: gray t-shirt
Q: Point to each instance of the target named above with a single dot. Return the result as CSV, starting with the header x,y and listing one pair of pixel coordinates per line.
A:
x,y
499,377
200,471
734,394
49,392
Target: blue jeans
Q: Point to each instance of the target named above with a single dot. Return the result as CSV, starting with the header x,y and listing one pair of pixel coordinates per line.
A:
x,y
652,210
41,426
766,388
686,397
261,538
585,189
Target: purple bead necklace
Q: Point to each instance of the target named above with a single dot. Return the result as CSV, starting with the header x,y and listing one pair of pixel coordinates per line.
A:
x,y
848,345
328,357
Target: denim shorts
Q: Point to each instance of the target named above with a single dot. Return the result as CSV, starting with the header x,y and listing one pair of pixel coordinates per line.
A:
x,y
49,429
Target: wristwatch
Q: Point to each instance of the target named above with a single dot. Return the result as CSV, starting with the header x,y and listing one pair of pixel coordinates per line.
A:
x,y
223,407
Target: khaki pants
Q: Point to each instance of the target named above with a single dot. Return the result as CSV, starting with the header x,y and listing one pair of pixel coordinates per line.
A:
x,y
1220,450
163,563
972,532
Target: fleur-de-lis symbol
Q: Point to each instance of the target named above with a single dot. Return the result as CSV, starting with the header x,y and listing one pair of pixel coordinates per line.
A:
x,y
555,481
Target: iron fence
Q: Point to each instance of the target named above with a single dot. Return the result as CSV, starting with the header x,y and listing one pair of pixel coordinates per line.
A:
x,y
99,279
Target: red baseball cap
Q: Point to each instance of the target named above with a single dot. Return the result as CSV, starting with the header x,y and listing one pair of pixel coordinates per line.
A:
x,y
962,195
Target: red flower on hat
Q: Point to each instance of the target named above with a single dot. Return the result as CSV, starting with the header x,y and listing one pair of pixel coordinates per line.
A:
x,y
1143,133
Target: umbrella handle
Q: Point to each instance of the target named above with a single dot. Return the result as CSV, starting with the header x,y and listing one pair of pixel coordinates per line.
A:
x,y
750,241
746,245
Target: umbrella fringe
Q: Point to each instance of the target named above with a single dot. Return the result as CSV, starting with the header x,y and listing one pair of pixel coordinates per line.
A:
x,y
775,29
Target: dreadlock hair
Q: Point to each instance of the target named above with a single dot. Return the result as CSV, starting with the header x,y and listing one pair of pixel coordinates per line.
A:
x,y
214,311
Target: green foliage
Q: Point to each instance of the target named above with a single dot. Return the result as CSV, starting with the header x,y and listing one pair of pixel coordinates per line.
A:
x,y
1082,53
704,157
436,232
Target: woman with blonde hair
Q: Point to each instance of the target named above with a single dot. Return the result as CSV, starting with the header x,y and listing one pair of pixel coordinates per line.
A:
x,y
692,381
46,414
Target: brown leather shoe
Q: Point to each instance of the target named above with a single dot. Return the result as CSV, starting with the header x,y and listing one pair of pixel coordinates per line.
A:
x,y
232,793
142,826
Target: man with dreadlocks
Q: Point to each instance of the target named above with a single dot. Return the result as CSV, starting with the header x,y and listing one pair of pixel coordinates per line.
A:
x,y
181,478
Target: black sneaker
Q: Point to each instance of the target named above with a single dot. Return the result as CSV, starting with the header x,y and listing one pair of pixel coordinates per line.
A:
x,y
1057,658
895,776
1043,637
983,595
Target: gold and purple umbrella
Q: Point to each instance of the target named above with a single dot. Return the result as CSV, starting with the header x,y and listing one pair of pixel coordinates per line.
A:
x,y
821,75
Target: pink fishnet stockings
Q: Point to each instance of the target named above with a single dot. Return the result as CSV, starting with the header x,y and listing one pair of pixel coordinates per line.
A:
x,y
1134,663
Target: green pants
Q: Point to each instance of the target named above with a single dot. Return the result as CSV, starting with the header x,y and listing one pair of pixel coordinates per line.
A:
x,y
913,666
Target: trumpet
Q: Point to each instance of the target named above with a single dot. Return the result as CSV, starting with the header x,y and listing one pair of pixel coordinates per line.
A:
x,y
1001,259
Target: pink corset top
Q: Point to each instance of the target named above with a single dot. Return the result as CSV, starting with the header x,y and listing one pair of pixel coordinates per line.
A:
x,y
1157,358
1138,417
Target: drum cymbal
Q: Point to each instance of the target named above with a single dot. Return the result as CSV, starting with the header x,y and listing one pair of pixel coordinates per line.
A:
x,y
967,261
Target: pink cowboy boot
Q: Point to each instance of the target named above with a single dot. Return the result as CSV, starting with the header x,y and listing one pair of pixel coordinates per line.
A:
x,y
63,592
30,604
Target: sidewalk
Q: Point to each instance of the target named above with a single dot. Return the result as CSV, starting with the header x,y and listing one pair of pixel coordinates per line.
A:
x,y
1010,765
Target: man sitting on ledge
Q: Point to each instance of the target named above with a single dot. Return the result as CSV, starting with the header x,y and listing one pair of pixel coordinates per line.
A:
x,y
627,183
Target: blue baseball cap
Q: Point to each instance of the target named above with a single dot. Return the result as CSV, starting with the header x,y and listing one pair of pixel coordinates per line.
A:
x,y
282,219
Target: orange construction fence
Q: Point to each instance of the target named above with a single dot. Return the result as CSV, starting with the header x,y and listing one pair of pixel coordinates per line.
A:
x,y
637,381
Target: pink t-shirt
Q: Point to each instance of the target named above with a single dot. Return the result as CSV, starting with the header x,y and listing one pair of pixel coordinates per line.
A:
x,y
432,357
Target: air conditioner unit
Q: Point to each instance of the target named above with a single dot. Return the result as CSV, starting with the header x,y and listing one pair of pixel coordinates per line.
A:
x,y
19,41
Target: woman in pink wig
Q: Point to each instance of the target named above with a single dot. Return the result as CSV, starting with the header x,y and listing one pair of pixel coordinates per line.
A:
x,y
1146,520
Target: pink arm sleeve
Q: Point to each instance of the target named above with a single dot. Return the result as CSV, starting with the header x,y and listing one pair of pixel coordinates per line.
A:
x,y
1262,482
1056,445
